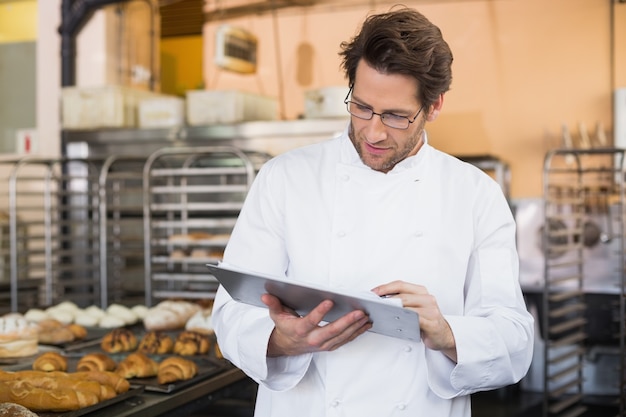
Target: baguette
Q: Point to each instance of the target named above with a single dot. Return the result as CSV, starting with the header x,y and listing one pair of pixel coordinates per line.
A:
x,y
176,368
119,383
40,399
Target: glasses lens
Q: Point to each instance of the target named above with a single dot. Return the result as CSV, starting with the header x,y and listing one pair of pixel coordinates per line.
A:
x,y
359,111
397,122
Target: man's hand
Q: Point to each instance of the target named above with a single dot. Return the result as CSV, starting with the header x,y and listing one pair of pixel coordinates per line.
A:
x,y
295,335
436,332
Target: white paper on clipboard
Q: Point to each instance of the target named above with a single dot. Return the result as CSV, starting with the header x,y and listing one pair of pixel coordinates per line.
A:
x,y
387,318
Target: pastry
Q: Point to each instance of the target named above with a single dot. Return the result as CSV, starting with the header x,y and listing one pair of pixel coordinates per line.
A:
x,y
175,368
190,343
137,365
54,332
156,343
18,337
119,340
15,410
50,361
95,361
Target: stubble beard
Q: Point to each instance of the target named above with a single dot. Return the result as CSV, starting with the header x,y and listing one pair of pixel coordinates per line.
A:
x,y
386,162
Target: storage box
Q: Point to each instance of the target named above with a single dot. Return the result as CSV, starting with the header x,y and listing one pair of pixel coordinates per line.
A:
x,y
161,112
100,107
228,106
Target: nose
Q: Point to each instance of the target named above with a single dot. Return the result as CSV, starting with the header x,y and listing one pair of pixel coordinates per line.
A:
x,y
376,130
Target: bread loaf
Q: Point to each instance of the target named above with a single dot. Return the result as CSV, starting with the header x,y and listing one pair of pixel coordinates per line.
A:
x,y
119,340
119,383
39,399
156,343
96,361
54,332
18,337
189,343
137,365
50,361
176,368
170,315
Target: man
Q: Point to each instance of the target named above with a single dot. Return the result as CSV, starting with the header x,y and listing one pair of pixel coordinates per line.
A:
x,y
380,209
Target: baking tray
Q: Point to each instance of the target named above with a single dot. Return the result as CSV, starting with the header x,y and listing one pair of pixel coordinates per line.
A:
x,y
207,367
134,391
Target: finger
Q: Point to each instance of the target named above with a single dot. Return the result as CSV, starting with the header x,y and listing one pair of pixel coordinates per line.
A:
x,y
316,315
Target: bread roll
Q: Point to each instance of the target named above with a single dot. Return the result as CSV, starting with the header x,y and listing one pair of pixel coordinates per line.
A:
x,y
36,315
111,322
50,361
96,361
43,400
137,365
122,312
119,340
54,332
176,368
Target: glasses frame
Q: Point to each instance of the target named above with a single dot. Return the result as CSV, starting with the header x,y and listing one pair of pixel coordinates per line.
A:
x,y
381,115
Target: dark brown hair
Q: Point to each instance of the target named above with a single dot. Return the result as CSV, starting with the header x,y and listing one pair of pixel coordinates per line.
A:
x,y
402,41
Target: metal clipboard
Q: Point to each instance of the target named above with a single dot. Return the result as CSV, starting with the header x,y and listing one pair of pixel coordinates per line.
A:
x,y
387,318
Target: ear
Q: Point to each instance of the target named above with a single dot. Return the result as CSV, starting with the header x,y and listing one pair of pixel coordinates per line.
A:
x,y
435,108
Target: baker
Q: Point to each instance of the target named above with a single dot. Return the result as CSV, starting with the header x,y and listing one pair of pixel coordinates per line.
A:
x,y
380,209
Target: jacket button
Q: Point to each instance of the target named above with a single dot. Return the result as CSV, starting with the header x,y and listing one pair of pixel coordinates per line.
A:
x,y
401,406
408,349
335,403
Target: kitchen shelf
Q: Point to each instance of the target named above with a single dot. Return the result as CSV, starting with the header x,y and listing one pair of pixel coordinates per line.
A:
x,y
192,197
577,184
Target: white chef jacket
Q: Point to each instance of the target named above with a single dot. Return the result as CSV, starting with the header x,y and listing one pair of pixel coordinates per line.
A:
x,y
318,214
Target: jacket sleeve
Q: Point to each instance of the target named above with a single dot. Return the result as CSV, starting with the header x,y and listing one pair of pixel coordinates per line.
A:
x,y
494,336
243,331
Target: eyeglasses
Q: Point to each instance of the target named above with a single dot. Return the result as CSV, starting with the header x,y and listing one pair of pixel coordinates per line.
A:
x,y
389,119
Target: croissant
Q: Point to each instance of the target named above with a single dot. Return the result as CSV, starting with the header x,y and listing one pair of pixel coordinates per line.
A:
x,y
189,343
96,361
137,365
119,340
40,399
156,342
50,361
176,369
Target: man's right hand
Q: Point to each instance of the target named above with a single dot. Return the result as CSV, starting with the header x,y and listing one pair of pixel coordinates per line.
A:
x,y
295,335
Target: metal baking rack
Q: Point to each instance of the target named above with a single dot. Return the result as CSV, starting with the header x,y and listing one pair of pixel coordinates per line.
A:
x,y
192,197
121,230
576,182
53,231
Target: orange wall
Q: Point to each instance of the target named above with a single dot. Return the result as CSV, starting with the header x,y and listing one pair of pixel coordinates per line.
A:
x,y
181,64
522,69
